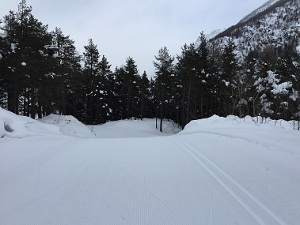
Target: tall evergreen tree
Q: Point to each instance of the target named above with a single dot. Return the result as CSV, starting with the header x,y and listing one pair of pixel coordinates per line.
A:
x,y
27,60
205,81
187,74
131,83
164,75
145,97
68,71
250,95
11,80
91,74
215,79
5,50
229,79
102,92
263,89
294,105
119,106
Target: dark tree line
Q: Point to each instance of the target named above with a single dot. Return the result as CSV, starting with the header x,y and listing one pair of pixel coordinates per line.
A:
x,y
41,73
209,79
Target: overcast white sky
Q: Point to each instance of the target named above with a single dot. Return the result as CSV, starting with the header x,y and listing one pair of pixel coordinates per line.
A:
x,y
136,28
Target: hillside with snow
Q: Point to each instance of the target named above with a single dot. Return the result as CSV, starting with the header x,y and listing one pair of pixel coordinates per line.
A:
x,y
216,171
275,24
261,9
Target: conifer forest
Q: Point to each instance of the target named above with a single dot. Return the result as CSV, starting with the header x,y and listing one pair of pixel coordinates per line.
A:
x,y
41,72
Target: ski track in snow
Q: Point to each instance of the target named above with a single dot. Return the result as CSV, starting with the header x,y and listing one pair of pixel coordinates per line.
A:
x,y
262,144
261,213
205,175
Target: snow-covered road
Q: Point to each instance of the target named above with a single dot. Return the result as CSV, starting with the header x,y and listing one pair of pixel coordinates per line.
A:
x,y
207,174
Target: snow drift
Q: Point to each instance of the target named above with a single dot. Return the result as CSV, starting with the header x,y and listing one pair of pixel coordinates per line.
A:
x,y
68,125
133,128
12,125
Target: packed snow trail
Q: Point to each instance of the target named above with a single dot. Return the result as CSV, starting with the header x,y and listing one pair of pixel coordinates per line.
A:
x,y
258,211
214,172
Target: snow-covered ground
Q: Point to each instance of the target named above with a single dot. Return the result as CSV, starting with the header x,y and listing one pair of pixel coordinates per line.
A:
x,y
133,128
68,125
216,171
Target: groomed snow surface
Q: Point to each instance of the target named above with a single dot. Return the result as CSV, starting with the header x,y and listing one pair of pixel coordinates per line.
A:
x,y
216,171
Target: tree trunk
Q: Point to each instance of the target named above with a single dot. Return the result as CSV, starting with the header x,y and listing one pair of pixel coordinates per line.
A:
x,y
32,104
142,106
201,106
188,102
12,100
161,117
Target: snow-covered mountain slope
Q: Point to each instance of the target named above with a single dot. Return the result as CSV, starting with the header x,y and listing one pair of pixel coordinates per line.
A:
x,y
261,9
216,171
209,36
277,26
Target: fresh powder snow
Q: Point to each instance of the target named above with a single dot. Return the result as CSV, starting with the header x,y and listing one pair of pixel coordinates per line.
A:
x,y
216,171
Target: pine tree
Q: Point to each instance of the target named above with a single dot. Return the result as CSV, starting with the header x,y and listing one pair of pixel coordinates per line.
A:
x,y
112,96
164,76
5,50
294,106
282,89
145,97
215,79
154,100
91,73
251,74
11,80
263,85
27,60
205,82
187,74
131,83
68,72
103,109
229,80
119,107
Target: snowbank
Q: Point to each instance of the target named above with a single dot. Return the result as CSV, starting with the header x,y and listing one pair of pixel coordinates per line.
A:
x,y
267,132
133,128
68,125
12,125
217,123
